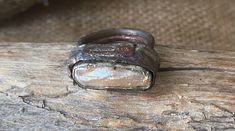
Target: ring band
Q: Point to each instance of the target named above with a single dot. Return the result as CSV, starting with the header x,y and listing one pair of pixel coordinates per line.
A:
x,y
114,59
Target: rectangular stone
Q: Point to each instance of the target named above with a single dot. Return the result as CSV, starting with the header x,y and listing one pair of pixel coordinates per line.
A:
x,y
113,76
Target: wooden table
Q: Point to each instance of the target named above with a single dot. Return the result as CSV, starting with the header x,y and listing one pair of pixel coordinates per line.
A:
x,y
195,90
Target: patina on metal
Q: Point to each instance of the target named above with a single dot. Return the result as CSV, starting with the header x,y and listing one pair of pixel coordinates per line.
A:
x,y
114,59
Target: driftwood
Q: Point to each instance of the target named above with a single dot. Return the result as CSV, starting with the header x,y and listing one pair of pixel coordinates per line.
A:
x,y
195,90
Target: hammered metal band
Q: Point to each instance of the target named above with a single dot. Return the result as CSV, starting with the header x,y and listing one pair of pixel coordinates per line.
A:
x,y
116,46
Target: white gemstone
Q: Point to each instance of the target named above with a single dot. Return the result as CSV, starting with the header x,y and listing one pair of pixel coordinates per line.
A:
x,y
113,76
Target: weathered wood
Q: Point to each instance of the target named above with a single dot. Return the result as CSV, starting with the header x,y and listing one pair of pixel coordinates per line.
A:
x,y
194,90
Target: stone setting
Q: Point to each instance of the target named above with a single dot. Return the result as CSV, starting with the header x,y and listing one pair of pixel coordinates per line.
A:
x,y
117,76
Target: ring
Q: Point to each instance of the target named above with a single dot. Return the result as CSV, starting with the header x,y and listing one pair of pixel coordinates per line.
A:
x,y
114,59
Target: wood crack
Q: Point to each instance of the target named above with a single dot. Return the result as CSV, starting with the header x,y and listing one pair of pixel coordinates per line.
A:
x,y
167,69
43,106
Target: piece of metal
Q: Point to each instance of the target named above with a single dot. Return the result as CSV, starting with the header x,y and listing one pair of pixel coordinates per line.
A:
x,y
114,59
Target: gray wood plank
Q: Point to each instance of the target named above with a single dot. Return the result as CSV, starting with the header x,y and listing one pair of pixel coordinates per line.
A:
x,y
195,90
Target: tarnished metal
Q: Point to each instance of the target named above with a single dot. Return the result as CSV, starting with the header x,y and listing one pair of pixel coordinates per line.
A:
x,y
127,49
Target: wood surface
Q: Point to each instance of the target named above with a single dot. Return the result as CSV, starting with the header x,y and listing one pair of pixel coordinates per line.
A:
x,y
195,90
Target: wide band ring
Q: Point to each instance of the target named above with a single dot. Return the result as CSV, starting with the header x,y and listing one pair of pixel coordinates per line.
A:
x,y
114,59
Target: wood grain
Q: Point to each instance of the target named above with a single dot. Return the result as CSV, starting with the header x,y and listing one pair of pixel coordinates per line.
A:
x,y
195,90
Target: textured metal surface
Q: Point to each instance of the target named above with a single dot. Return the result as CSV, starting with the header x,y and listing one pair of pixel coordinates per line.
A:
x,y
120,46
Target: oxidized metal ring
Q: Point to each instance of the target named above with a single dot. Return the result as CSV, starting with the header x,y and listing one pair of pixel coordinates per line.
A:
x,y
114,59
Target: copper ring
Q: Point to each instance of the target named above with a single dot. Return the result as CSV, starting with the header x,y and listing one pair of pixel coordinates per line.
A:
x,y
117,46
